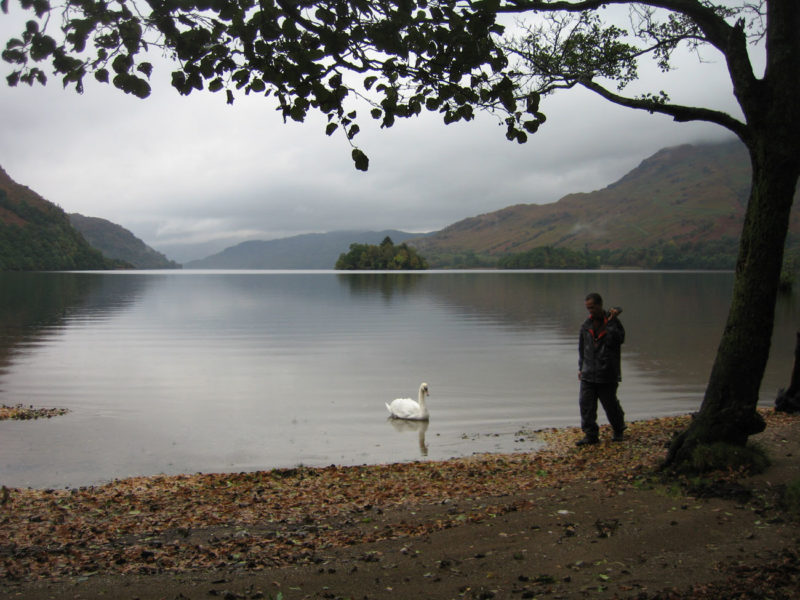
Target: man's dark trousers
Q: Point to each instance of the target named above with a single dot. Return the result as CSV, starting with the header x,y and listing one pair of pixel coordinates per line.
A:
x,y
606,393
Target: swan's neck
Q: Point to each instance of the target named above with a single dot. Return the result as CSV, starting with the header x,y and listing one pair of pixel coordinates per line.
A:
x,y
422,398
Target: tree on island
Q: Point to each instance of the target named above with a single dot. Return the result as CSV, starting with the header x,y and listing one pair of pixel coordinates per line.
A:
x,y
453,57
385,257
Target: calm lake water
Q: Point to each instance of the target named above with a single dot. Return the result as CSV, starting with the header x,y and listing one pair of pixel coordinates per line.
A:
x,y
198,371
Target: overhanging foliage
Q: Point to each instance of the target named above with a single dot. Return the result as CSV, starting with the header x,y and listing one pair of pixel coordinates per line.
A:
x,y
402,57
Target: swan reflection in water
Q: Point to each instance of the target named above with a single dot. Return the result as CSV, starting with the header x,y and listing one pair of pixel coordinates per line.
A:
x,y
419,426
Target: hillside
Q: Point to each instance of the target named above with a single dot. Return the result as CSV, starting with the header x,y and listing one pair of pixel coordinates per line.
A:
x,y
685,196
36,234
117,242
308,251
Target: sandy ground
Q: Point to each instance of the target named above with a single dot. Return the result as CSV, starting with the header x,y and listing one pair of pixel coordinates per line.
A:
x,y
572,523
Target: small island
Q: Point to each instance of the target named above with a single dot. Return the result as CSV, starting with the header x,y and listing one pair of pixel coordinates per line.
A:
x,y
385,257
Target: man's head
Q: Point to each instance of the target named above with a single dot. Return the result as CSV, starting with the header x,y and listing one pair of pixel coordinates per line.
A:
x,y
594,304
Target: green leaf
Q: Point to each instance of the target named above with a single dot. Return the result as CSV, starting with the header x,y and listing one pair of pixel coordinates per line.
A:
x,y
101,75
531,126
298,110
326,16
130,84
41,7
360,159
42,46
257,85
122,63
146,68
179,81
369,82
14,56
331,128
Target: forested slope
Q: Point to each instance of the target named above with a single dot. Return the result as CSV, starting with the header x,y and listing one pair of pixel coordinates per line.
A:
x,y
36,234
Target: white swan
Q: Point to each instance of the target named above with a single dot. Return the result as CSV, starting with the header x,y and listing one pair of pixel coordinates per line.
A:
x,y
407,408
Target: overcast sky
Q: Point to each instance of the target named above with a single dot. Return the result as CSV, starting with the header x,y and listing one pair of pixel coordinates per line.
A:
x,y
178,171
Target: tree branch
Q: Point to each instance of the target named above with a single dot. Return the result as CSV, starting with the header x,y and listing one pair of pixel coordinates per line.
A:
x,y
730,40
717,30
678,112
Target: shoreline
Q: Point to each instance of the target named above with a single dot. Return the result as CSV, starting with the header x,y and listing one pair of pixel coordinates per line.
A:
x,y
254,521
553,444
543,440
492,440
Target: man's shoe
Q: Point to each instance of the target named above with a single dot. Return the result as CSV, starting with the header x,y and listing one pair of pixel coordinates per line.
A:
x,y
587,441
618,437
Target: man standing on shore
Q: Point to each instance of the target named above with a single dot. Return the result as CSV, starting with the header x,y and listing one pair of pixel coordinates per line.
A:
x,y
599,370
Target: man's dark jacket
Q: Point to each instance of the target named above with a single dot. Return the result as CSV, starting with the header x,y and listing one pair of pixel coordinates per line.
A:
x,y
599,352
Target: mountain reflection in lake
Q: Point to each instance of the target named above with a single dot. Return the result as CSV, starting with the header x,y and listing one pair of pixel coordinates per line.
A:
x,y
172,372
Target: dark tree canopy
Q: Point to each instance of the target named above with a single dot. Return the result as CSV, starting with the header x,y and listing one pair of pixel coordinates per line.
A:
x,y
449,56
400,57
325,55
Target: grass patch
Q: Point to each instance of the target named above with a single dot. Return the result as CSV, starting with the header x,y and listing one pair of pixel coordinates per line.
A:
x,y
722,457
790,499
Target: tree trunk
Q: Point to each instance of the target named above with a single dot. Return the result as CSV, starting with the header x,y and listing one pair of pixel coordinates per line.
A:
x,y
728,412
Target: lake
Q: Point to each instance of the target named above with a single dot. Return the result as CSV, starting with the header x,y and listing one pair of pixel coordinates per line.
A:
x,y
207,371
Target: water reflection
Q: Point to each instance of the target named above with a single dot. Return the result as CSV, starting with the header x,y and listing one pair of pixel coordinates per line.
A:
x,y
674,320
403,426
387,284
33,306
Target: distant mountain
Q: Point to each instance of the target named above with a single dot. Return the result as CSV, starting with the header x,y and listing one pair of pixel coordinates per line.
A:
x,y
36,234
117,242
307,251
685,195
